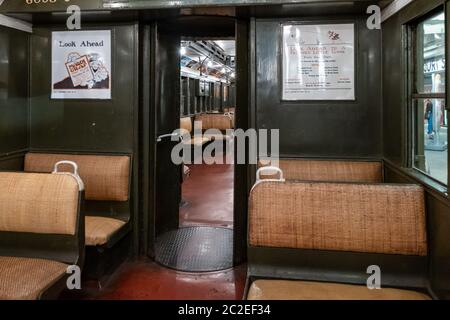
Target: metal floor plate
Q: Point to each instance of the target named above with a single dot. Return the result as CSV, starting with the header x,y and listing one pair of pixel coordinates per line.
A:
x,y
196,249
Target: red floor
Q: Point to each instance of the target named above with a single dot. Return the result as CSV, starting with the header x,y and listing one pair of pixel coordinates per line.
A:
x,y
209,196
145,280
209,193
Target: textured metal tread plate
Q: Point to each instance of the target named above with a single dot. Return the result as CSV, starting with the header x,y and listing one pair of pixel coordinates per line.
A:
x,y
196,249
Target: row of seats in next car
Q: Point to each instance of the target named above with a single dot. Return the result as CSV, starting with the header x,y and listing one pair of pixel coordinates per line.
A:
x,y
220,123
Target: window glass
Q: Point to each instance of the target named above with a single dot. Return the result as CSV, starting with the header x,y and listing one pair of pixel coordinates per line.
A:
x,y
431,55
431,138
430,115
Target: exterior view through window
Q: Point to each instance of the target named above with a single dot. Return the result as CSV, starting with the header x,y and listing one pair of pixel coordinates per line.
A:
x,y
431,128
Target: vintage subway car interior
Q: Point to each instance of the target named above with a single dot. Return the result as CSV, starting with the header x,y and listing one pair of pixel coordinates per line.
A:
x,y
224,150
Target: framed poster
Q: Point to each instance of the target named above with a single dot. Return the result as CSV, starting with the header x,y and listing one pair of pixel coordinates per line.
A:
x,y
318,62
81,64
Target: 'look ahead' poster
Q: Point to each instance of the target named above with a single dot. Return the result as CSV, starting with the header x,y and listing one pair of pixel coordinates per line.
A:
x,y
81,65
319,62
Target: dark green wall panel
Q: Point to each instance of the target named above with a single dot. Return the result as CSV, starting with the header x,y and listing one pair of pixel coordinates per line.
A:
x,y
85,125
13,91
321,129
393,125
439,244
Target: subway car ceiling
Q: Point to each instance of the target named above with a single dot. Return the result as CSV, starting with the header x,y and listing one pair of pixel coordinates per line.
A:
x,y
216,64
102,11
217,5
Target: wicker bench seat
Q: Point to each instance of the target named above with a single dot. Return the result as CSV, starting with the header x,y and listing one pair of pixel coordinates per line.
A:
x,y
331,232
40,233
107,180
215,126
328,170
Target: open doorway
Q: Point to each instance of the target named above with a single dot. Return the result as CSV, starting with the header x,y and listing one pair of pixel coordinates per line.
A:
x,y
208,99
194,198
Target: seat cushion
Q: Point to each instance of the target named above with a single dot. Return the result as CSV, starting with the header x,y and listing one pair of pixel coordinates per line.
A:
x,y
304,290
100,229
27,279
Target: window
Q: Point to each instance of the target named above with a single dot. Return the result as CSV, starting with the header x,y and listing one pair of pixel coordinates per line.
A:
x,y
430,130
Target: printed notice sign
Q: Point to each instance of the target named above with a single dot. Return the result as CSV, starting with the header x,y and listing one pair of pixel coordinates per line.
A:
x,y
318,62
81,65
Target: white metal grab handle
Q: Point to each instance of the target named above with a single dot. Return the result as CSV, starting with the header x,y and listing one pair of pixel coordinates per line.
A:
x,y
74,173
169,135
269,170
70,163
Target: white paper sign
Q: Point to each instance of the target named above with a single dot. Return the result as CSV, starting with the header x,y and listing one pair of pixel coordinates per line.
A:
x,y
319,62
81,65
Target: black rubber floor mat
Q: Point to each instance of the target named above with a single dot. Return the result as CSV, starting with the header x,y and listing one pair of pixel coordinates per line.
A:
x,y
196,249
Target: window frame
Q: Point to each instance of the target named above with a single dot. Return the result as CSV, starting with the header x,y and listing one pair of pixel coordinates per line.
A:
x,y
413,96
